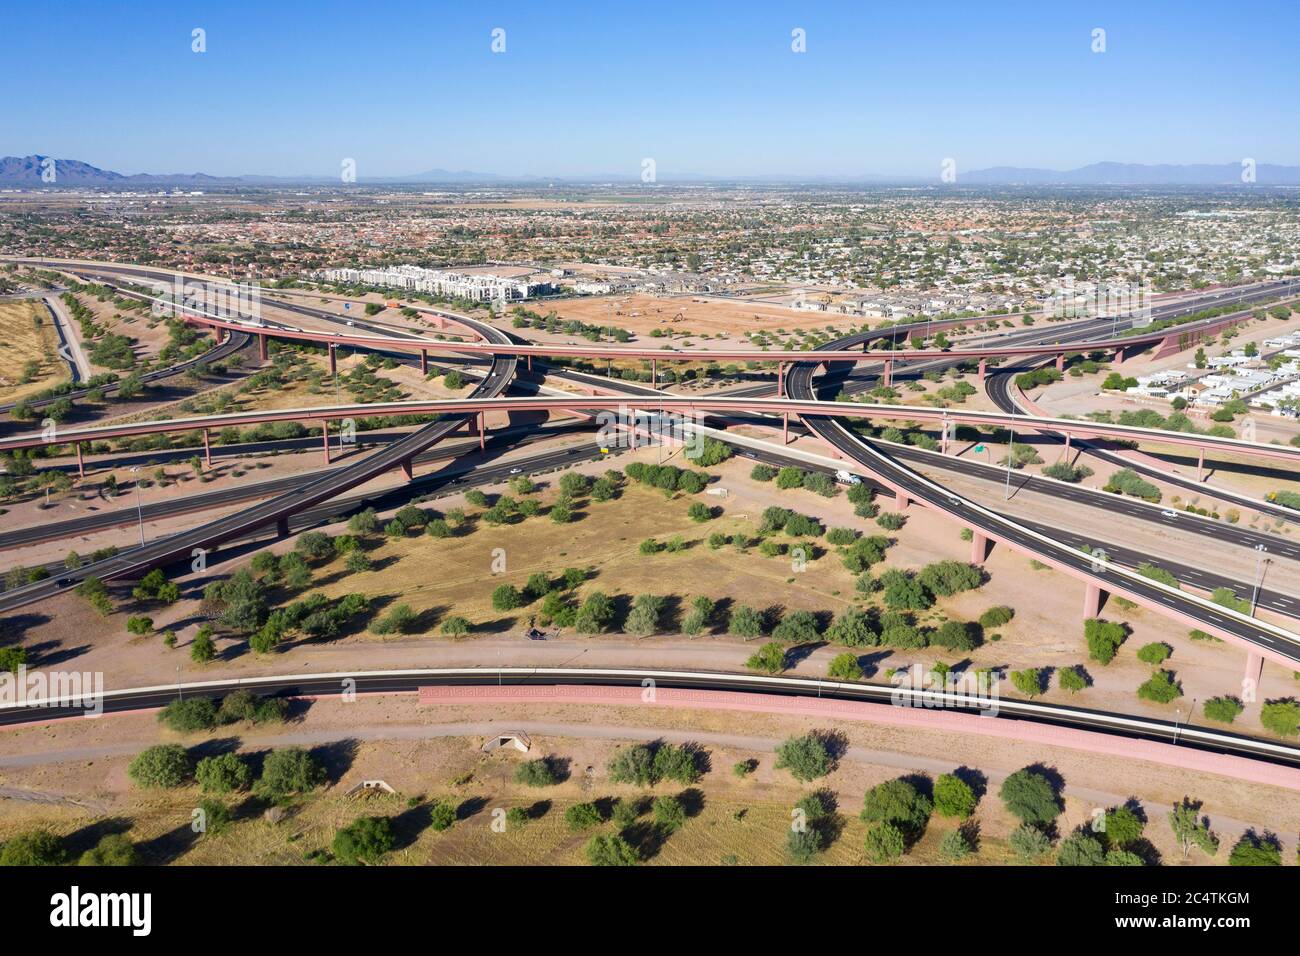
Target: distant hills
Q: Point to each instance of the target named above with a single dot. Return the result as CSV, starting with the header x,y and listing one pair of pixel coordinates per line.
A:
x,y
1134,174
26,171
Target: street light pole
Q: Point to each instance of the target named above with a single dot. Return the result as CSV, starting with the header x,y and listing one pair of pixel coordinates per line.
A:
x,y
139,509
1011,450
1261,563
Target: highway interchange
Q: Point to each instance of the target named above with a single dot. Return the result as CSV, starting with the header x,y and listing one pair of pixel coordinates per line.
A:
x,y
889,465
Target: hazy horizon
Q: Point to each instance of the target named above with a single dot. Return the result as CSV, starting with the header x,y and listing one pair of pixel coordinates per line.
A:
x,y
705,92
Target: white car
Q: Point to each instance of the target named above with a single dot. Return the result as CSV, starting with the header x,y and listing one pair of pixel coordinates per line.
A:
x,y
515,471
1169,513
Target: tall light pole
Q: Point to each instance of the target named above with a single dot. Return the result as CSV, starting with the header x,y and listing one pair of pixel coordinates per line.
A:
x,y
139,509
1261,564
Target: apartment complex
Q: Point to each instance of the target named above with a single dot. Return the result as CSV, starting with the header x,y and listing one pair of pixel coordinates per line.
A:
x,y
480,287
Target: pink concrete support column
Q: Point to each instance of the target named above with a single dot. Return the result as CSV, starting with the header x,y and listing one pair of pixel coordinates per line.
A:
x,y
424,361
654,373
261,348
482,431
325,438
1254,668
81,465
1200,465
888,378
785,428
979,548
1067,443
1060,362
1092,600
780,380
207,450
530,363
900,501
334,365
407,469
984,367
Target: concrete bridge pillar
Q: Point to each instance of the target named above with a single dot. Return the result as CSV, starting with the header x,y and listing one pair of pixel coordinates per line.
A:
x,y
262,352
482,431
424,362
984,366
325,438
785,428
900,501
81,465
1200,465
207,450
1092,599
1060,362
780,380
334,365
888,378
282,527
979,548
1250,680
654,373
407,468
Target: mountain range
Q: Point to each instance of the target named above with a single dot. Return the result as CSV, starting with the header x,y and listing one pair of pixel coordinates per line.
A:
x,y
26,171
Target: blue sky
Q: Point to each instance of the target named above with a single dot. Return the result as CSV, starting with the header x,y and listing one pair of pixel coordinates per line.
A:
x,y
703,88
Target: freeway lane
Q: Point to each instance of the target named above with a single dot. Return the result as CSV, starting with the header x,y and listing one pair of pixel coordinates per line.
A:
x,y
1000,391
189,543
409,681
248,491
877,460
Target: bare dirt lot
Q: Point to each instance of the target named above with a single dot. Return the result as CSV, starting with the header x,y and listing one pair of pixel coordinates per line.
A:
x,y
29,351
70,777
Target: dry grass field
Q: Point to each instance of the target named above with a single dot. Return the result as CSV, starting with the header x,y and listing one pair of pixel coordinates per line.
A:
x,y
29,351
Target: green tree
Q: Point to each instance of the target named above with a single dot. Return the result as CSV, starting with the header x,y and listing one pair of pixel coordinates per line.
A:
x,y
1252,850
1030,796
190,714
1080,849
884,842
1223,709
745,622
223,773
1103,638
1282,717
844,667
290,770
536,773
33,848
900,803
1191,829
770,658
582,816
364,840
163,765
953,797
1071,679
606,850
113,849
807,757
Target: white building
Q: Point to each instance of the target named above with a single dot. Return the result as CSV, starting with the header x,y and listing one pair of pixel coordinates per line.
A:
x,y
480,287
